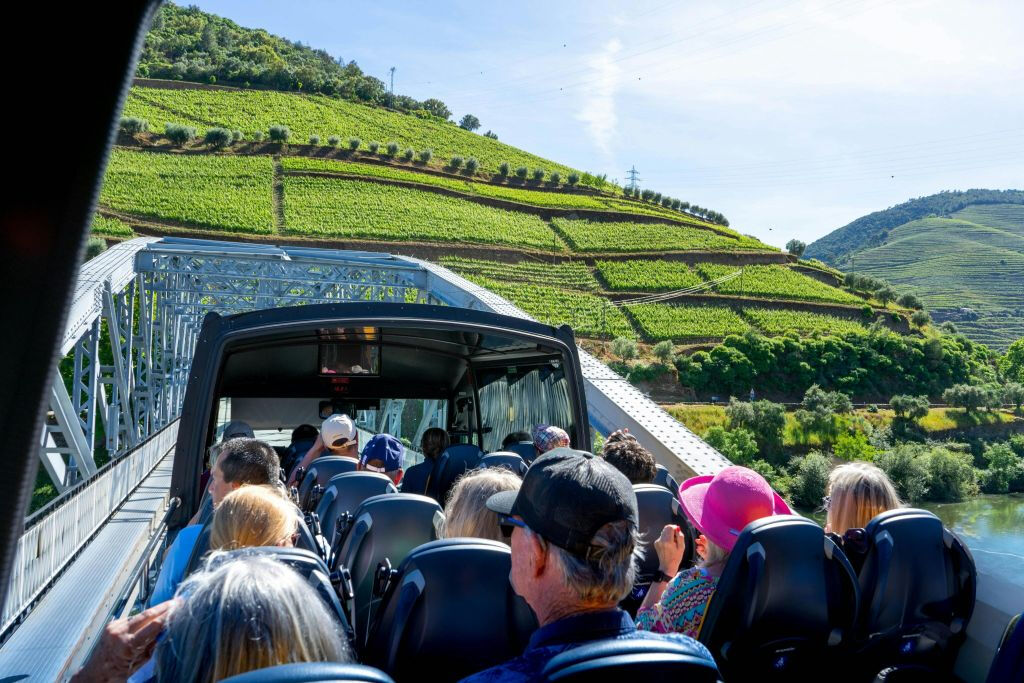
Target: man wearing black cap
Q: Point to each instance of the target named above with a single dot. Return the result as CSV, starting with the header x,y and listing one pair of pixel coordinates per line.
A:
x,y
573,536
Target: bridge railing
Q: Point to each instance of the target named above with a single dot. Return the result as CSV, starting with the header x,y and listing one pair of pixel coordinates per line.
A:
x,y
55,535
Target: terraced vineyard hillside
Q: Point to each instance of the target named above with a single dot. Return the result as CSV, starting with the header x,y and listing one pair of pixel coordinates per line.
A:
x,y
566,252
967,267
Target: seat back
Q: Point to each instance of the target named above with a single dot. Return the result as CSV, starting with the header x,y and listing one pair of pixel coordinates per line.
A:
x,y
344,493
614,661
320,472
509,461
785,605
524,449
388,527
656,507
917,588
453,462
663,478
313,672
450,610
1008,664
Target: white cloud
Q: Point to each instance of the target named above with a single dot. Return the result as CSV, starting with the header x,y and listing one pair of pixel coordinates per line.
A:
x,y
598,110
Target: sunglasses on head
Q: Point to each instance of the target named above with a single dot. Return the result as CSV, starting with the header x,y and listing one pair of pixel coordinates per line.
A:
x,y
508,525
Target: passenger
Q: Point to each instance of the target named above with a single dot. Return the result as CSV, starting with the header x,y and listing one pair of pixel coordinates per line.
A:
x,y
632,459
303,438
232,430
239,614
240,462
432,445
254,516
574,545
466,513
548,437
516,437
338,436
719,507
385,454
857,493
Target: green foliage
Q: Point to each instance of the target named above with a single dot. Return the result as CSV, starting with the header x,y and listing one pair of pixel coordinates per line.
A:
x,y
373,147
353,143
664,351
503,169
494,136
314,139
408,154
666,321
94,246
907,468
132,125
568,275
101,225
1013,392
810,479
538,174
625,348
354,208
1012,363
469,122
648,276
472,165
738,445
522,172
853,446
392,148
602,236
1005,467
426,155
909,407
779,480
796,247
333,141
774,281
951,476
920,318
258,136
555,177
573,178
237,136
179,134
967,396
780,321
213,191
765,420
455,163
908,301
279,133
217,137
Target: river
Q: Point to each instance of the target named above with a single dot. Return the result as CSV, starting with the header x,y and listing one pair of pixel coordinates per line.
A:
x,y
991,526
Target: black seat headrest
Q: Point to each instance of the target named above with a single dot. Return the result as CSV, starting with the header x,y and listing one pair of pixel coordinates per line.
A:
x,y
388,527
662,477
524,449
450,610
509,461
918,584
453,462
320,472
786,602
345,492
614,661
313,672
656,507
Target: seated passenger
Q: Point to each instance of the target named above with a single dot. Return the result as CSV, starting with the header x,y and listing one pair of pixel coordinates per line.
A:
x,y
548,437
573,534
466,513
338,436
857,493
630,458
719,507
232,430
254,516
240,462
385,454
432,445
303,438
516,437
238,615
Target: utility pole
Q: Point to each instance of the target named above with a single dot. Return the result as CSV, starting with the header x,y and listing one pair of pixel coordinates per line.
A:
x,y
391,92
633,179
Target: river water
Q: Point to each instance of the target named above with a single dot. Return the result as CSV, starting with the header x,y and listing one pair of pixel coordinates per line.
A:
x,y
991,526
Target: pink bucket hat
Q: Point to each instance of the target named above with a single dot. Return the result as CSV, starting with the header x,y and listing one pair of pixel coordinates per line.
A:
x,y
721,505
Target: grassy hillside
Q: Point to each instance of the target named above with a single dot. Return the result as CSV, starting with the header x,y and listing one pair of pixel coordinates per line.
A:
x,y
968,268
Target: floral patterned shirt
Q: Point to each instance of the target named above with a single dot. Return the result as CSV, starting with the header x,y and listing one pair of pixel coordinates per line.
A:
x,y
682,605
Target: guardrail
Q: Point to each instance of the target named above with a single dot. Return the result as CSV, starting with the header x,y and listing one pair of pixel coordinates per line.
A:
x,y
47,547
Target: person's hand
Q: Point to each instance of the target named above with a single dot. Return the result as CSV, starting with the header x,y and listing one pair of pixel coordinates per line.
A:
x,y
670,547
701,546
125,645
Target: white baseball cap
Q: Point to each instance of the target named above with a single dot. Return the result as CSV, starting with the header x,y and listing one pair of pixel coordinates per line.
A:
x,y
338,431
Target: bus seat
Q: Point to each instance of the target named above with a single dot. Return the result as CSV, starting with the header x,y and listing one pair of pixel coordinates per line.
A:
x,y
656,507
1008,664
450,610
786,603
613,661
385,527
453,462
507,460
663,478
917,589
524,449
305,541
320,473
343,494
205,508
313,672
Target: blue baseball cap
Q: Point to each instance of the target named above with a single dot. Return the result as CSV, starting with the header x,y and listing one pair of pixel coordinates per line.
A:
x,y
385,448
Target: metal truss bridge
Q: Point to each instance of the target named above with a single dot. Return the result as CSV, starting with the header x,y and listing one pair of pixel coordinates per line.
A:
x,y
148,297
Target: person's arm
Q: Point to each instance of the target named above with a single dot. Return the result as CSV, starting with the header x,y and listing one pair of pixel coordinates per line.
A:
x,y
124,646
670,546
312,454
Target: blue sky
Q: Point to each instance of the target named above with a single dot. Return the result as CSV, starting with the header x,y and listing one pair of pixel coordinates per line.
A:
x,y
791,117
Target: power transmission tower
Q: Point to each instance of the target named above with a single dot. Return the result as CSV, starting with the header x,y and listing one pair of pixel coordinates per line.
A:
x,y
391,92
633,179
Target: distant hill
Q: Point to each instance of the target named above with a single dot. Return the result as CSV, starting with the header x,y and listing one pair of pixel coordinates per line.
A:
x,y
961,252
187,44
